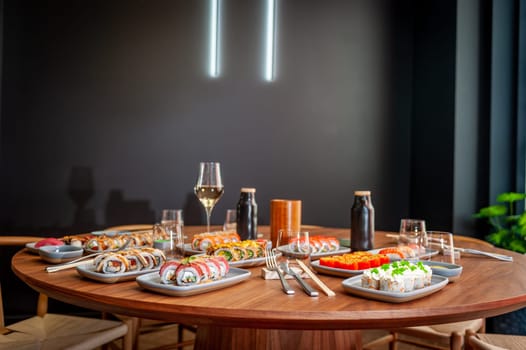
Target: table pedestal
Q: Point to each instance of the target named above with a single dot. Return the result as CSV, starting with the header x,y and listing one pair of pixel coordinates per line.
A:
x,y
214,337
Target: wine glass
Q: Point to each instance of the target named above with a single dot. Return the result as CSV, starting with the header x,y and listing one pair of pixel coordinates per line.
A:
x,y
209,187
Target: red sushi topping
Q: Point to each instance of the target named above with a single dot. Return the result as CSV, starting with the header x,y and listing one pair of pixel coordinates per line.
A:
x,y
48,241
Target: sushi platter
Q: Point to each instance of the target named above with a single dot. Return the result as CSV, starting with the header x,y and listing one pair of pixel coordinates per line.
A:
x,y
334,271
152,282
353,285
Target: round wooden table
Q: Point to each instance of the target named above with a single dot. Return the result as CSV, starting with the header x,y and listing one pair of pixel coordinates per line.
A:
x,y
257,314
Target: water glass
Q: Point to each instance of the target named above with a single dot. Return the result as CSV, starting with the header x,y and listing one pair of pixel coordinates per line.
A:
x,y
443,242
230,220
413,234
172,223
294,245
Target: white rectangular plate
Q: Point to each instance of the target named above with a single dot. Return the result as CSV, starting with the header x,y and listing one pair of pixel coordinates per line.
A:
x,y
333,270
88,271
152,282
353,285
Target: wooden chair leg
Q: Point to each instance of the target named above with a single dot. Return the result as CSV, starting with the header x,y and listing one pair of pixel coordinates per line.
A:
x,y
393,345
456,341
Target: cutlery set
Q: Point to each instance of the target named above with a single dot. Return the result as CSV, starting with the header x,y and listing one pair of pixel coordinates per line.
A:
x,y
272,265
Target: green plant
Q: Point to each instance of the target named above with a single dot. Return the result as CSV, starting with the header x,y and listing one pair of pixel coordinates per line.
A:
x,y
508,228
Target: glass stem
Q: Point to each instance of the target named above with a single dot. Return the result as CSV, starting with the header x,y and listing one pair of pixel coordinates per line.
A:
x,y
208,214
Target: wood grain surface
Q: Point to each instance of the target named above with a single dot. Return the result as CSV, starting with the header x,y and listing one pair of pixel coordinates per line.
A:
x,y
487,287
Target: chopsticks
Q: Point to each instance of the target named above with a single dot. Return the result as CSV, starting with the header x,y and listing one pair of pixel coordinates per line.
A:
x,y
61,267
315,278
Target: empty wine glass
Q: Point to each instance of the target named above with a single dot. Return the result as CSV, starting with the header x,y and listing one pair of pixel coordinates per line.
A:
x,y
209,187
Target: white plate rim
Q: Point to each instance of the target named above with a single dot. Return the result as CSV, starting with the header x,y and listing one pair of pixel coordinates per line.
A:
x,y
334,271
152,282
88,270
353,286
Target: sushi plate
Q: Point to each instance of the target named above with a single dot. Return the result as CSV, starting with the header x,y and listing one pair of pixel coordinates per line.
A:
x,y
314,256
353,285
334,271
88,271
428,253
247,262
152,282
188,250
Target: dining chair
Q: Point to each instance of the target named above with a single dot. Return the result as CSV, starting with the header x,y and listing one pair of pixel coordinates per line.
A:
x,y
57,331
143,326
486,341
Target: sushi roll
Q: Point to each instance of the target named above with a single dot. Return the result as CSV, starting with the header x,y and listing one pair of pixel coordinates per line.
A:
x,y
112,263
225,252
158,255
371,278
135,260
148,260
168,272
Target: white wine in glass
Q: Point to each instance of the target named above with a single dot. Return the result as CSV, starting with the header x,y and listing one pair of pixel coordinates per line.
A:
x,y
209,187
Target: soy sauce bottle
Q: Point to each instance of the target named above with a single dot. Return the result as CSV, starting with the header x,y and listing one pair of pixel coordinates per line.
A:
x,y
362,222
247,214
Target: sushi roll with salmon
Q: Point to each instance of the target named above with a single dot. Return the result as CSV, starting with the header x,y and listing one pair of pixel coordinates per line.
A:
x,y
168,272
111,263
193,270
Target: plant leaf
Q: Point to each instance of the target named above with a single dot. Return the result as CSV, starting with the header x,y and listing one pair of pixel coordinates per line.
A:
x,y
491,211
510,197
522,219
518,246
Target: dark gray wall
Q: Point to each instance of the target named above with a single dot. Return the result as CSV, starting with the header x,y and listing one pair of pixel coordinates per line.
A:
x,y
108,109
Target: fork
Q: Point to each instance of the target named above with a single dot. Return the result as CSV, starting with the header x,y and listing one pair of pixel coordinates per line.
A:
x,y
272,264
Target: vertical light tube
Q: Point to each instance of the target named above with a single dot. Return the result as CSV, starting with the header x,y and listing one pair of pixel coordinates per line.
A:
x,y
215,9
270,41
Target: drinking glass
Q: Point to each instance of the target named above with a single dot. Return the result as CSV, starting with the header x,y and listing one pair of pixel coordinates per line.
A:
x,y
294,245
413,234
172,223
230,220
209,187
443,243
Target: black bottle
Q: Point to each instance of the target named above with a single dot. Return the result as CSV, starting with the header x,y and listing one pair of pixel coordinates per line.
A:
x,y
247,214
362,222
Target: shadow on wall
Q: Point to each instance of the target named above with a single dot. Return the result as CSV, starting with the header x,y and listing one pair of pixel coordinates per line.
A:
x,y
122,212
118,210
